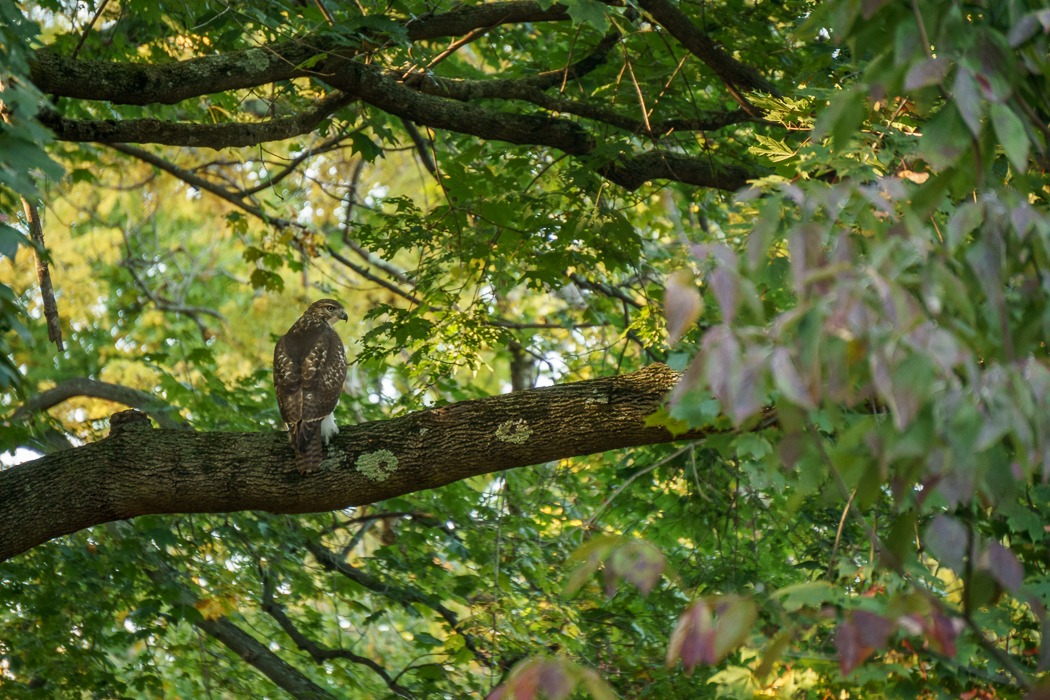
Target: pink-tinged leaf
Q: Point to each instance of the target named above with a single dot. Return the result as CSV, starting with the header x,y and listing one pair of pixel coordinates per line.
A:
x,y
524,683
553,678
873,630
967,98
912,624
870,7
1025,27
682,305
640,563
1040,692
965,219
725,285
725,255
693,638
788,381
577,578
747,387
942,634
1023,218
721,353
734,626
927,72
1044,645
596,685
880,376
851,649
1005,567
497,693
946,540
797,253
610,578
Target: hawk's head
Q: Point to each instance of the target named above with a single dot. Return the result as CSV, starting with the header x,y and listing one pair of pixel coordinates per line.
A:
x,y
328,310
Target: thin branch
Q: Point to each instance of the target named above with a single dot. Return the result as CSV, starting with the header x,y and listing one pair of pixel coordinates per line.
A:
x,y
329,561
318,653
87,28
201,184
43,275
95,389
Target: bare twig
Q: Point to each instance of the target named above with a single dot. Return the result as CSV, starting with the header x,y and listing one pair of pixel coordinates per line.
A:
x,y
43,275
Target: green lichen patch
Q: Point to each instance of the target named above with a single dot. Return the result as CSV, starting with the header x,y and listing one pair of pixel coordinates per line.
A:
x,y
514,431
378,465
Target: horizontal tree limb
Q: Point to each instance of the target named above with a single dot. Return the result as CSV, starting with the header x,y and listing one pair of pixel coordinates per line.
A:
x,y
139,471
678,24
169,83
217,136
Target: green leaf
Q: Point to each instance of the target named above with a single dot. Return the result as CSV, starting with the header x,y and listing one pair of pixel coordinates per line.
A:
x,y
589,12
1012,136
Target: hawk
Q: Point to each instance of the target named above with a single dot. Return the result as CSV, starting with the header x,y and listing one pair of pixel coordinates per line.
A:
x,y
309,369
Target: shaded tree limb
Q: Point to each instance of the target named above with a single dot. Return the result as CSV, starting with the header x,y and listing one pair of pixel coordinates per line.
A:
x,y
43,275
318,653
255,653
216,136
248,648
95,389
143,84
732,71
139,471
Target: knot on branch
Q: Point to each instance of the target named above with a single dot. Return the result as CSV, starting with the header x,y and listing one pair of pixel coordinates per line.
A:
x,y
128,421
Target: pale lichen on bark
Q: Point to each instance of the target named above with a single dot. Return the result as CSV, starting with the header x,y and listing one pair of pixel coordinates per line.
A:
x,y
378,465
514,431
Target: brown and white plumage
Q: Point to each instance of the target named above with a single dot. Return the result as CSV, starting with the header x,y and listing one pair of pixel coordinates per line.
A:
x,y
309,369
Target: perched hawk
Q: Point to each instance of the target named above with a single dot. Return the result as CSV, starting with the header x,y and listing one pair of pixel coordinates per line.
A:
x,y
309,368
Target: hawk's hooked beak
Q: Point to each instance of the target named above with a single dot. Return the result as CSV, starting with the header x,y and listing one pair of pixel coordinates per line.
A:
x,y
342,315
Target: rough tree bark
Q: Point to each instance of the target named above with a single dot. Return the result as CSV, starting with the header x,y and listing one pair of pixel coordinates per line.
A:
x,y
139,471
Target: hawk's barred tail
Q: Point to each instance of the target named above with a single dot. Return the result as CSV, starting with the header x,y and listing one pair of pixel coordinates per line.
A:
x,y
308,449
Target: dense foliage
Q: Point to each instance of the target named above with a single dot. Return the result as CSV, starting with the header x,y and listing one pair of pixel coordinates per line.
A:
x,y
833,217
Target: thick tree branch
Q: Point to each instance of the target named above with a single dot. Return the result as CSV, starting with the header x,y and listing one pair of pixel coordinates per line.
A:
x,y
703,47
143,83
95,389
217,136
255,653
138,472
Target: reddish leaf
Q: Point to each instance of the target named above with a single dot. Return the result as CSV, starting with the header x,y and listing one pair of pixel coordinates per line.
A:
x,y
734,625
873,630
693,638
870,7
552,677
788,381
682,305
725,285
1005,567
1041,692
968,100
942,634
852,651
927,72
640,563
946,539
